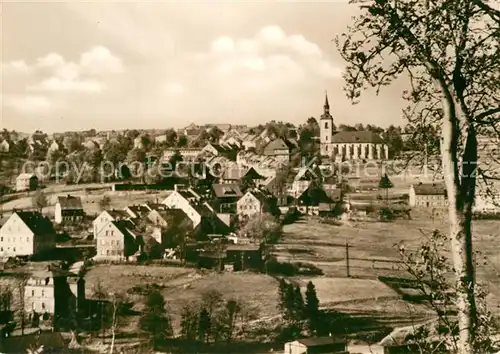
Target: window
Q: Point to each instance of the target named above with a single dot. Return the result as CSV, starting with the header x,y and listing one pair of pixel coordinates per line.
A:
x,y
14,249
1,238
32,292
27,239
43,305
107,232
326,125
43,293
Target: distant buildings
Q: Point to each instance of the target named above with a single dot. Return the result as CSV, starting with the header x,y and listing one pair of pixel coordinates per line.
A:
x,y
26,182
26,233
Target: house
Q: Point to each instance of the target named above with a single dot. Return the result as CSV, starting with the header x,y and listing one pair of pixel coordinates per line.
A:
x,y
188,154
52,291
169,223
225,197
275,187
26,182
210,224
137,211
187,200
26,233
244,256
238,174
106,216
164,216
255,202
118,240
68,209
428,195
486,204
319,345
4,145
279,150
219,150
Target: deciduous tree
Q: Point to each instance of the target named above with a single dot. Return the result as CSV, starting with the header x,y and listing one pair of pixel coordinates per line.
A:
x,y
449,51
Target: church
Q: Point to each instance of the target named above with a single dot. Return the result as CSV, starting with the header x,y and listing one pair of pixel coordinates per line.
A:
x,y
349,145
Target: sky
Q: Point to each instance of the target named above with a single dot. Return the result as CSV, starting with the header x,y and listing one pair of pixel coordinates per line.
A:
x,y
124,65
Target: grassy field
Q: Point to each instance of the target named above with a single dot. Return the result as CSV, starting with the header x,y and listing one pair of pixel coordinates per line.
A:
x,y
373,248
182,285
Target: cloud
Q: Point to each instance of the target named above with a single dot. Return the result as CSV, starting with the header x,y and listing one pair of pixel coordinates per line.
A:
x,y
269,59
57,84
60,75
16,67
100,60
28,104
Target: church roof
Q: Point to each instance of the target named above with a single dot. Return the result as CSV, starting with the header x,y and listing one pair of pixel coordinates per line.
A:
x,y
358,137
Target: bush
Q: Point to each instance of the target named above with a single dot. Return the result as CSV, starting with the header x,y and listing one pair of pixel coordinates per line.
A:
x,y
290,269
145,290
386,214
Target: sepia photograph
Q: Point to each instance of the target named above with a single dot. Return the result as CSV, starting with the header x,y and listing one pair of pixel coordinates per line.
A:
x,y
250,177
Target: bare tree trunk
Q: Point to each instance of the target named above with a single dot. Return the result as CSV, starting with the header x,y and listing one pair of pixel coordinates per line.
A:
x,y
459,227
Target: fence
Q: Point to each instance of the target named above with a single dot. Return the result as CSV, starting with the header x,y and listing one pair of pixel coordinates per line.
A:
x,y
140,187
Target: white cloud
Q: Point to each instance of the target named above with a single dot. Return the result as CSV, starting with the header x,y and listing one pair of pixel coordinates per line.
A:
x,y
28,104
16,67
223,45
50,61
100,60
174,88
269,59
67,76
56,84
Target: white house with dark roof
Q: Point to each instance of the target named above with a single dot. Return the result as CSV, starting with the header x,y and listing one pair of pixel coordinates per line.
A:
x,y
107,216
26,233
349,145
26,182
118,240
188,201
68,209
428,195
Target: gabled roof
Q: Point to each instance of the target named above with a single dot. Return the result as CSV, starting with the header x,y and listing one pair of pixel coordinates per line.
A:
x,y
26,176
227,190
70,202
126,227
118,214
260,195
36,222
320,341
361,137
138,210
430,189
277,144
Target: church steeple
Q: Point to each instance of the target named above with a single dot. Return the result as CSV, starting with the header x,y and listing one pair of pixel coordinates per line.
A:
x,y
326,107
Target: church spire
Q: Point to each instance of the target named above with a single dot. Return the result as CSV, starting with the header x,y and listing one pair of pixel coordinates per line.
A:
x,y
326,107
